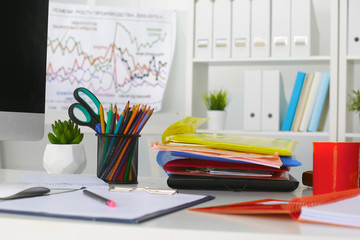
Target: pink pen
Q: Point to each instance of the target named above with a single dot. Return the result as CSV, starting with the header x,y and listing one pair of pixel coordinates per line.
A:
x,y
99,198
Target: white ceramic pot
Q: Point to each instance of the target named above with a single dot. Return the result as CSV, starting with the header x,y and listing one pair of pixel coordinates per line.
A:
x,y
217,120
64,158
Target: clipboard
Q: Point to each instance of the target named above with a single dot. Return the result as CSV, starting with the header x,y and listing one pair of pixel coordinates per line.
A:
x,y
130,207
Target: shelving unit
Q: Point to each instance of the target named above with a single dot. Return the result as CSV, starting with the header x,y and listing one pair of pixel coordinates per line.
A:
x,y
313,59
206,74
349,123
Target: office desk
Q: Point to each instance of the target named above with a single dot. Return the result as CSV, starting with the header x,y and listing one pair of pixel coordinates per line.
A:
x,y
179,225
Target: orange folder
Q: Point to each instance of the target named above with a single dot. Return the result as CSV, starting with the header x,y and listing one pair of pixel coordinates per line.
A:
x,y
295,206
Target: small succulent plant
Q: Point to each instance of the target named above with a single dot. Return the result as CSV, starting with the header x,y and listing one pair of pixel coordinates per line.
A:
x,y
66,132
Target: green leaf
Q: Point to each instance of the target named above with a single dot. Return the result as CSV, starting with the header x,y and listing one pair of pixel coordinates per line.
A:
x,y
71,124
57,132
78,139
63,139
77,133
68,134
60,126
53,139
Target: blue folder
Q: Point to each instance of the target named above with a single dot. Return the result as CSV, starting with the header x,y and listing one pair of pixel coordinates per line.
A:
x,y
290,112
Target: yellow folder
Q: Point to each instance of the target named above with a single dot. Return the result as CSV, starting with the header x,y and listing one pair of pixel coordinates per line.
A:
x,y
184,132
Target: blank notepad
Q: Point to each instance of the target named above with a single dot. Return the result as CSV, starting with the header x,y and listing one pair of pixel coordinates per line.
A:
x,y
345,212
131,207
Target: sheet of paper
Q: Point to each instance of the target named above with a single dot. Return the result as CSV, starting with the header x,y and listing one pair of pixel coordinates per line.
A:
x,y
66,181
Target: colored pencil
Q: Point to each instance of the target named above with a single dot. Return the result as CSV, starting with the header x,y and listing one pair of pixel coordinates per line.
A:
x,y
102,120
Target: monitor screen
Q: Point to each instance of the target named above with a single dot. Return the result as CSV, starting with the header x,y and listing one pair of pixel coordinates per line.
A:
x,y
23,68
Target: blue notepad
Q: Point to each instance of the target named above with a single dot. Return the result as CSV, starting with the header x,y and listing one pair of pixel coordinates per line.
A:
x,y
290,113
319,102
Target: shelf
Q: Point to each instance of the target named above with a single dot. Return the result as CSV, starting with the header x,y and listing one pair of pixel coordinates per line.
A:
x,y
353,58
271,134
352,135
263,60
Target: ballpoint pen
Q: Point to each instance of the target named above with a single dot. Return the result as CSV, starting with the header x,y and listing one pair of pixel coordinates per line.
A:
x,y
99,198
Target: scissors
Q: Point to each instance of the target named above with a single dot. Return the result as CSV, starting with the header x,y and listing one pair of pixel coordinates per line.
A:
x,y
92,118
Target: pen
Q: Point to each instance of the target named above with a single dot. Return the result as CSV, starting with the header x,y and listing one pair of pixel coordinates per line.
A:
x,y
99,198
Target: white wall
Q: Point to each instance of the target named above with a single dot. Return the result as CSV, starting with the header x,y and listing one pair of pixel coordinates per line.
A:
x,y
28,155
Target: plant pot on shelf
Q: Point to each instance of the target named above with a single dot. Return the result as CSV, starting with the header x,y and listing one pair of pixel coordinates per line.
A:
x,y
64,158
216,120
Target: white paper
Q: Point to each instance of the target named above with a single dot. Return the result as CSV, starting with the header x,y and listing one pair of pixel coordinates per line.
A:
x,y
345,212
66,181
119,54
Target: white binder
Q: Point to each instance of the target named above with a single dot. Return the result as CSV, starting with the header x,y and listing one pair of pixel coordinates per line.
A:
x,y
300,28
353,28
299,114
310,102
270,107
260,28
203,28
252,100
222,29
240,46
280,28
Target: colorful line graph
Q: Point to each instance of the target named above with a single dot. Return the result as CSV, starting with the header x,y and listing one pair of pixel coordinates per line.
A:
x,y
116,59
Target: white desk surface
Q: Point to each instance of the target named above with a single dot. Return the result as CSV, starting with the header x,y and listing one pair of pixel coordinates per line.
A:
x,y
179,225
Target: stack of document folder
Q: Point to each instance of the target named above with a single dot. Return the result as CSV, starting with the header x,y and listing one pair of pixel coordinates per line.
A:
x,y
223,161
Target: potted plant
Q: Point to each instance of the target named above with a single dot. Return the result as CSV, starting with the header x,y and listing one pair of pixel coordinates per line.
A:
x,y
64,154
353,104
216,102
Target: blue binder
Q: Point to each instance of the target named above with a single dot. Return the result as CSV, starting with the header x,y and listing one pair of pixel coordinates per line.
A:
x,y
319,102
290,113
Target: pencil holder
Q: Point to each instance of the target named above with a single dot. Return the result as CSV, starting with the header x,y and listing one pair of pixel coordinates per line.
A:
x,y
117,159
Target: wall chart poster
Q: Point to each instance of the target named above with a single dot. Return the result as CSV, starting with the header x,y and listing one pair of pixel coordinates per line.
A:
x,y
120,54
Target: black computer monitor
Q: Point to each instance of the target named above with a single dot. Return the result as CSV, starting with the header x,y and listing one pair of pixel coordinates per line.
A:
x,y
23,44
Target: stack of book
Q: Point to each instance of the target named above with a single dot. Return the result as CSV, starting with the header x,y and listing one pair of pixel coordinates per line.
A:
x,y
223,161
306,102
